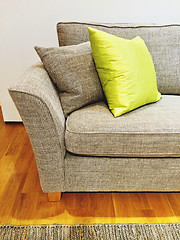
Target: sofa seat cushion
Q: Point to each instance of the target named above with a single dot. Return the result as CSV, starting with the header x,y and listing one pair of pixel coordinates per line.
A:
x,y
150,131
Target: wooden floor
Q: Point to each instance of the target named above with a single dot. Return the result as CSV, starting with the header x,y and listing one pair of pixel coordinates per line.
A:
x,y
23,202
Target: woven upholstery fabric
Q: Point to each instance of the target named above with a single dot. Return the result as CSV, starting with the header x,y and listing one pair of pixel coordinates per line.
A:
x,y
73,71
121,174
163,43
150,131
38,103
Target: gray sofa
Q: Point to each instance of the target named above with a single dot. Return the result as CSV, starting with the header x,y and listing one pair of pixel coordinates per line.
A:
x,y
93,151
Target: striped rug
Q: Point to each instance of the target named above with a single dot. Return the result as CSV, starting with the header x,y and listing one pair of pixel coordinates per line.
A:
x,y
169,231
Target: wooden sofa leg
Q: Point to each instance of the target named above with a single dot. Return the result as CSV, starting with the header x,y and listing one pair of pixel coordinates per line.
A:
x,y
54,197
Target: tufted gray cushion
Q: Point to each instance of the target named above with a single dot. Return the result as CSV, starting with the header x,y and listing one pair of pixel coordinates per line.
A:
x,y
72,69
163,43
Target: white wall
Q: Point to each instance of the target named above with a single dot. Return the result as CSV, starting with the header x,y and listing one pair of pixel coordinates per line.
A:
x,y
24,24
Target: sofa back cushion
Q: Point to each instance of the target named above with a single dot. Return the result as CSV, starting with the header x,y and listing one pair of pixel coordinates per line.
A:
x,y
162,41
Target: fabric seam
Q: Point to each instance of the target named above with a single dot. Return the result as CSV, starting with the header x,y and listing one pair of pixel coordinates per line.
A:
x,y
135,133
116,26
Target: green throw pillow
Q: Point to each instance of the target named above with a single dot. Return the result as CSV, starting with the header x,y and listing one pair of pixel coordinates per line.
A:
x,y
126,71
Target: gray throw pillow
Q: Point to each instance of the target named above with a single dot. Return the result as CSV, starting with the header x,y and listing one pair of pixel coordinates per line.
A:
x,y
72,70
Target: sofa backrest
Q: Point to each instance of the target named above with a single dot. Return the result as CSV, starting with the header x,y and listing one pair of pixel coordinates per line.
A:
x,y
162,41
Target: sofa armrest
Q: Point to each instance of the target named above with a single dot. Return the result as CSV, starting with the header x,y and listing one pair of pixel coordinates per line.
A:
x,y
39,106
